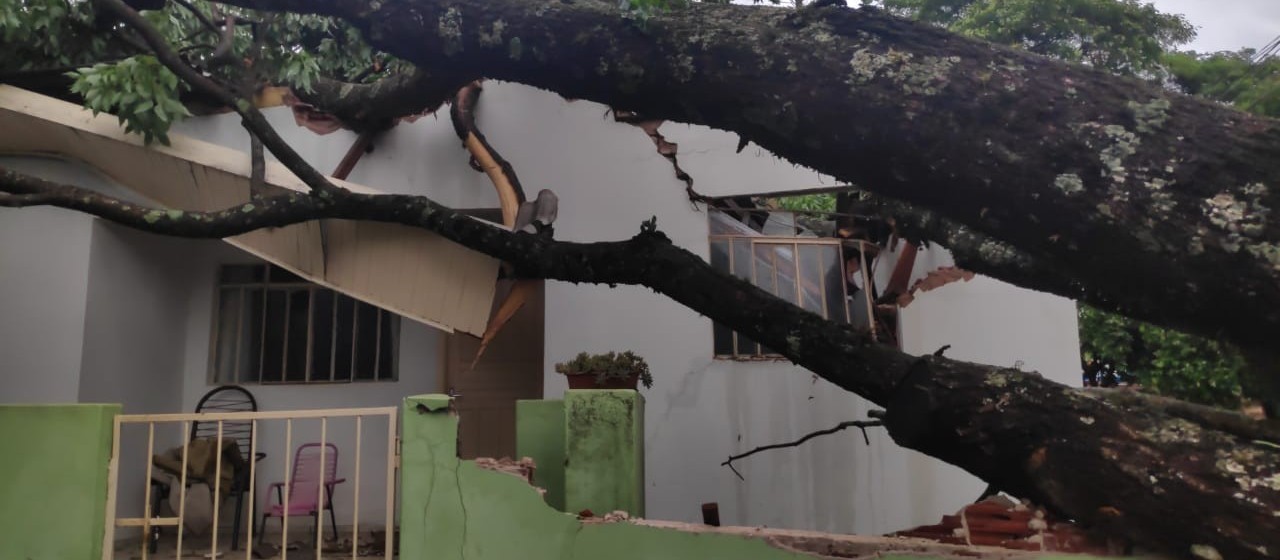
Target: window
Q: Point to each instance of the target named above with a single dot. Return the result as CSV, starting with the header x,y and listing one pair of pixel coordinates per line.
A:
x,y
271,326
804,271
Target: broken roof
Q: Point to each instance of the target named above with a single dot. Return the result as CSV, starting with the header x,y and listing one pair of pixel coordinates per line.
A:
x,y
405,270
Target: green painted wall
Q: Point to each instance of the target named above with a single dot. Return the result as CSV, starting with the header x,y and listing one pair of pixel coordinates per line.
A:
x,y
53,480
604,451
540,436
452,509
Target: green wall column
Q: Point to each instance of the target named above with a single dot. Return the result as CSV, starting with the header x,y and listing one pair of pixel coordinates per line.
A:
x,y
604,451
540,436
53,480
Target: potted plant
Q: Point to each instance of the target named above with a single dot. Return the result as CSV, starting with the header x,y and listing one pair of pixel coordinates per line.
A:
x,y
606,371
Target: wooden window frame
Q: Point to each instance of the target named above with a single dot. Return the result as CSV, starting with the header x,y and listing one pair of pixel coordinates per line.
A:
x,y
795,243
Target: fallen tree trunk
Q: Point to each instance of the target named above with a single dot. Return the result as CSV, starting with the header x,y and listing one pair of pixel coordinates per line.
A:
x,y
1168,477
1197,486
1144,196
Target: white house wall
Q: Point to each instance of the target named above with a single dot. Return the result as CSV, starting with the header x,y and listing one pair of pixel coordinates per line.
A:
x,y
609,178
134,342
44,275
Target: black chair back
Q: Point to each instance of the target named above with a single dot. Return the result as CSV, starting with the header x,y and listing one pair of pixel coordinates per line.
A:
x,y
228,398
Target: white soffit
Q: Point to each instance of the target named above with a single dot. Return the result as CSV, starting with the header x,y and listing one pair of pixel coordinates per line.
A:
x,y
409,271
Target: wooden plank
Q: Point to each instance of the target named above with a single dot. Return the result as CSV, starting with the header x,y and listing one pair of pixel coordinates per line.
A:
x,y
113,473
142,522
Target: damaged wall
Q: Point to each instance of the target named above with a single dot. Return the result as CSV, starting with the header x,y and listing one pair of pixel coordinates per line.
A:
x,y
609,178
479,511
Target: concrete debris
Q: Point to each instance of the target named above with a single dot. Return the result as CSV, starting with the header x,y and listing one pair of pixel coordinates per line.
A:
x,y
616,516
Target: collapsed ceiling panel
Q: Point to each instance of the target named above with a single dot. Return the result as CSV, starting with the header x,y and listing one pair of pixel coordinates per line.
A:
x,y
405,270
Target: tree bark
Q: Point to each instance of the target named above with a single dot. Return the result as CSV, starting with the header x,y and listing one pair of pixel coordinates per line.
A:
x,y
1167,476
1143,195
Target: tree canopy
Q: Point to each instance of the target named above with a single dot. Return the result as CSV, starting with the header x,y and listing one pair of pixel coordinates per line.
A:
x,y
1123,36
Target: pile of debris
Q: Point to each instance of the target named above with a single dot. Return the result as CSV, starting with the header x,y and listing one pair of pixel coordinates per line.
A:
x,y
1000,522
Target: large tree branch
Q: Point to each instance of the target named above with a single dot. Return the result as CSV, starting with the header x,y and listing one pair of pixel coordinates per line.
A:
x,y
975,251
1114,465
1143,195
376,106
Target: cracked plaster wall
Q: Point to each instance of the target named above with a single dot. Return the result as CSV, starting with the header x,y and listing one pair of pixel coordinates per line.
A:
x,y
609,178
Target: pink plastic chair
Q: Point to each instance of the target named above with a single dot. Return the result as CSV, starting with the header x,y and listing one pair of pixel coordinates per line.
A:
x,y
304,496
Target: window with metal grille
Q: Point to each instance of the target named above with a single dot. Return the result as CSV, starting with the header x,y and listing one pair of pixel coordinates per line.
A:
x,y
271,326
804,271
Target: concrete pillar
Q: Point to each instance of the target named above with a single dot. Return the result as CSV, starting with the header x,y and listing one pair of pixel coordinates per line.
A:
x,y
604,451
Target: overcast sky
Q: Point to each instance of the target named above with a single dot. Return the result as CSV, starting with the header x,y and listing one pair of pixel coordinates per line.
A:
x,y
1227,25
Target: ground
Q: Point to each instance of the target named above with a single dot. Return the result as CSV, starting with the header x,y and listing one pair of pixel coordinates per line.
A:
x,y
198,547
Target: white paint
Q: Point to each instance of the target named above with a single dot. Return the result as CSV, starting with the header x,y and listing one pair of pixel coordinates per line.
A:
x,y
44,275
133,341
609,178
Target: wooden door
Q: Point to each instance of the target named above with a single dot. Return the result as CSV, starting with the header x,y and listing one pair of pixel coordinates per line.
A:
x,y
510,369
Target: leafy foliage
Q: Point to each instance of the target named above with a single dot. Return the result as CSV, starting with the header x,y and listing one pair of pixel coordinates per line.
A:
x,y
1164,361
1122,36
1229,77
114,74
139,90
608,366
822,202
45,33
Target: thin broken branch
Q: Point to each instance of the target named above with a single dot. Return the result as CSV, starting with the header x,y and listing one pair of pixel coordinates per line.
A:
x,y
859,424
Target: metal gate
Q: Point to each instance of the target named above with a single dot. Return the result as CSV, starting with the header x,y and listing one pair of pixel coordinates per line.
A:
x,y
238,421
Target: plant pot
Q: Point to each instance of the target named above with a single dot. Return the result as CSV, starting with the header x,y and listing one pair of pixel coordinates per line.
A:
x,y
588,381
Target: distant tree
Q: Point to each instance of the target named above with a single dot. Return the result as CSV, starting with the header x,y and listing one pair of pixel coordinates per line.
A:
x,y
1243,79
1121,36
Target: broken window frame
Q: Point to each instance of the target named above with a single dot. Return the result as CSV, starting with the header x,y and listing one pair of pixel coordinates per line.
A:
x,y
743,347
261,282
